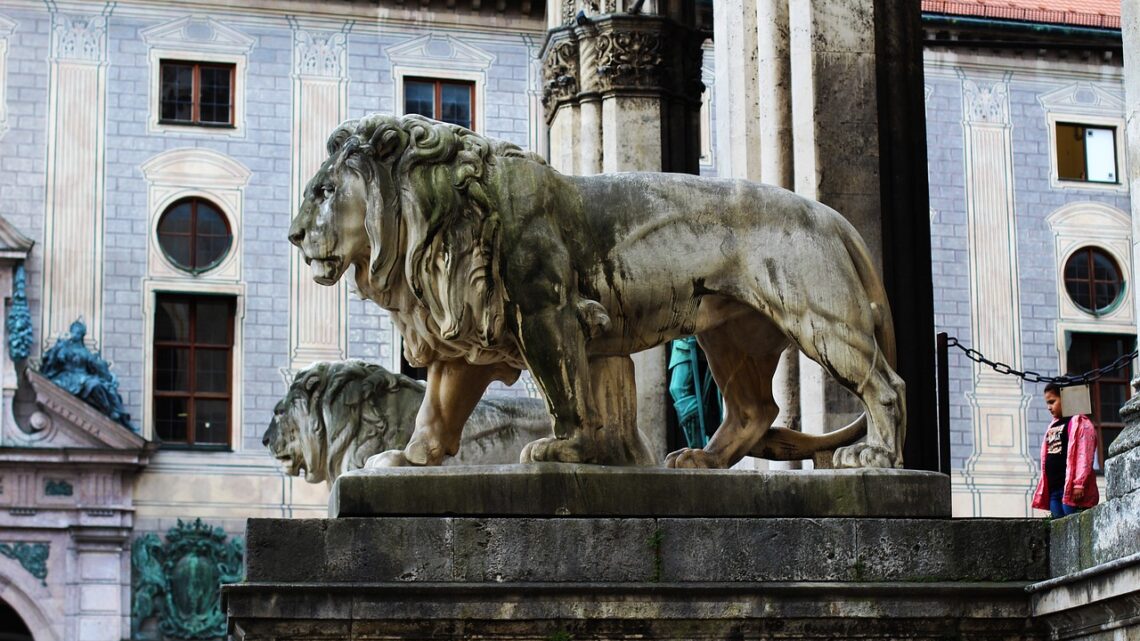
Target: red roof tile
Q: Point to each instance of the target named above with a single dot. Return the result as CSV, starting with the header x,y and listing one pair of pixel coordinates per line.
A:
x,y
1103,14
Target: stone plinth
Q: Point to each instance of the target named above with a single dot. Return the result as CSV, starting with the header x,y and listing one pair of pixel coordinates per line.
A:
x,y
540,552
560,489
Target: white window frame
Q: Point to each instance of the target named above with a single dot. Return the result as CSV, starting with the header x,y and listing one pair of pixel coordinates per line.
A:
x,y
1076,226
171,176
1104,110
170,42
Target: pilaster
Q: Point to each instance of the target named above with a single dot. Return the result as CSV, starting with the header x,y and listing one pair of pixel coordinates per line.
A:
x,y
999,474
73,212
318,315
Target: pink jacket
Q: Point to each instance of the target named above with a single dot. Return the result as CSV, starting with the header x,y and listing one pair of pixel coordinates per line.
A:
x,y
1078,466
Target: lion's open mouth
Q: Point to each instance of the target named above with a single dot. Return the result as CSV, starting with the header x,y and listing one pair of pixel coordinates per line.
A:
x,y
326,271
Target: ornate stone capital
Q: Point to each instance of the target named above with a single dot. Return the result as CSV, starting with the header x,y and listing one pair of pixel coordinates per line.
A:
x,y
629,59
559,75
78,37
320,54
985,102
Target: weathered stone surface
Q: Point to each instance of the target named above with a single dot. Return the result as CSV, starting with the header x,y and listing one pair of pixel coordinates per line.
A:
x,y
1104,599
1105,533
623,550
643,611
561,489
1122,473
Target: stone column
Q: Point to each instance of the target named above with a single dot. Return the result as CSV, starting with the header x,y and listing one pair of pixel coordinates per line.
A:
x,y
1122,468
73,209
622,93
318,315
998,475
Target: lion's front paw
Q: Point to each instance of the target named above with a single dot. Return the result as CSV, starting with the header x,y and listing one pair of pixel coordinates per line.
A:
x,y
388,458
553,450
692,459
863,455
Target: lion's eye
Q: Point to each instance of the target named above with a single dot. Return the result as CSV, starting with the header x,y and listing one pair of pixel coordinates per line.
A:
x,y
326,190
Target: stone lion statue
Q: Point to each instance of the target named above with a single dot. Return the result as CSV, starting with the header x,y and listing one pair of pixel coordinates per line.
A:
x,y
338,414
490,262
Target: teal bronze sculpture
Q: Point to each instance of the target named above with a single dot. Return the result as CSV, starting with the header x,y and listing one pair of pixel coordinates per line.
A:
x,y
176,585
695,397
490,261
19,321
72,366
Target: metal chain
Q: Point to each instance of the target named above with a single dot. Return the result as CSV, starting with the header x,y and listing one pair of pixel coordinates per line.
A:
x,y
1034,377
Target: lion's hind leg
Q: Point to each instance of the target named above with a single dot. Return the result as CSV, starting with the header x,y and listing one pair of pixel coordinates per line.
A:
x,y
743,355
847,348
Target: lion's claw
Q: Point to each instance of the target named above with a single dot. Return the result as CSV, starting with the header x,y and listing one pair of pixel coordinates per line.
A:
x,y
552,449
862,455
388,458
692,459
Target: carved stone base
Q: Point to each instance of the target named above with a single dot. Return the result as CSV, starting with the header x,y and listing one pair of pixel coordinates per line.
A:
x,y
561,489
637,578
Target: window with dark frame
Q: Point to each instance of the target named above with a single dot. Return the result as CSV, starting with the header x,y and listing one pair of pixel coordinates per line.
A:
x,y
194,234
1092,280
450,101
193,362
196,93
1107,394
1086,153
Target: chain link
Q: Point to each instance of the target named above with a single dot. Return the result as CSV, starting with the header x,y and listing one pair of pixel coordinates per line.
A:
x,y
1034,377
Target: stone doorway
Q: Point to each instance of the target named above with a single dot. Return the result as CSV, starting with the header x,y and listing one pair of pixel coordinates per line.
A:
x,y
12,627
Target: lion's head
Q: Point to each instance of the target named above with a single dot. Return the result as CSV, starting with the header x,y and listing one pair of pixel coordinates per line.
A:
x,y
412,204
336,415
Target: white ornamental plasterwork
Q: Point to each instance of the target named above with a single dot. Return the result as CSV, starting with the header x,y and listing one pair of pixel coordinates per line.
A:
x,y
320,54
7,27
197,33
1083,98
431,50
985,101
79,37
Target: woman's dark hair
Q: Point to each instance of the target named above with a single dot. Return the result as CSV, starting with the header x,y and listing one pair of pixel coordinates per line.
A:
x,y
1052,387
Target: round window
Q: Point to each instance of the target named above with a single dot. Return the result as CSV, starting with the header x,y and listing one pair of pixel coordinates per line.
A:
x,y
1093,280
194,235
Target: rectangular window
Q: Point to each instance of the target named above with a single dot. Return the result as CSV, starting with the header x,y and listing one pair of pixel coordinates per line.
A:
x,y
195,93
193,357
445,100
1087,154
1108,393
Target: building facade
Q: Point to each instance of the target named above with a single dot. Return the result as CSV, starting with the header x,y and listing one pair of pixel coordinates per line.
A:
x,y
152,155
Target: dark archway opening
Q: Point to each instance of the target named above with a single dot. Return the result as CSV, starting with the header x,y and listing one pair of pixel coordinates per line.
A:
x,y
12,627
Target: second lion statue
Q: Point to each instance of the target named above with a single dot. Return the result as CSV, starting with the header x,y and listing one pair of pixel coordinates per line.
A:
x,y
490,261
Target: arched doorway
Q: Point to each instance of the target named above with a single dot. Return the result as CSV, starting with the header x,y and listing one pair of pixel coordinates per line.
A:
x,y
12,627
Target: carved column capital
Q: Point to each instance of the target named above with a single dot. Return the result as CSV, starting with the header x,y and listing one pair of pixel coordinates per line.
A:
x,y
638,53
560,71
630,59
985,101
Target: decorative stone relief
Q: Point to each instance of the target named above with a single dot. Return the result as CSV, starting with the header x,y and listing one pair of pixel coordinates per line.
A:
x,y
559,75
78,37
58,487
31,556
988,102
629,59
175,586
320,54
19,321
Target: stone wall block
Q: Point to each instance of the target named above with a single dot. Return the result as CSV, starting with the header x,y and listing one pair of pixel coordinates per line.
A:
x,y
1122,474
768,550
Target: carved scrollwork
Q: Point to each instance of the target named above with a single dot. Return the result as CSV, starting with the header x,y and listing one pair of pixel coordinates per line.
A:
x,y
559,75
629,59
320,54
986,103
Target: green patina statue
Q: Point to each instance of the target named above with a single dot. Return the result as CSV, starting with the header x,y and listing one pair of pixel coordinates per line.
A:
x,y
72,366
695,396
490,262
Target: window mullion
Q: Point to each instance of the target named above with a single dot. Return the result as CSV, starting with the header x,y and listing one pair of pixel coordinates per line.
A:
x,y
191,406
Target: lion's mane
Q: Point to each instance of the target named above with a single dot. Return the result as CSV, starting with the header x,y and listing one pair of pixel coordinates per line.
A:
x,y
433,223
348,409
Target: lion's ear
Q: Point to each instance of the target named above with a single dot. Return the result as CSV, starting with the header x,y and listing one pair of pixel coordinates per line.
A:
x,y
387,141
312,380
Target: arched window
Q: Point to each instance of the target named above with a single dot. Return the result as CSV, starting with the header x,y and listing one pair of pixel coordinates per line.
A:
x,y
1093,280
194,235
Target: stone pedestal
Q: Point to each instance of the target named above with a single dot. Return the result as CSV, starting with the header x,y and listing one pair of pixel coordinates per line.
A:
x,y
539,552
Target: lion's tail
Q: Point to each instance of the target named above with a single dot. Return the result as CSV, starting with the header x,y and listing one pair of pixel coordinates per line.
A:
x,y
782,444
